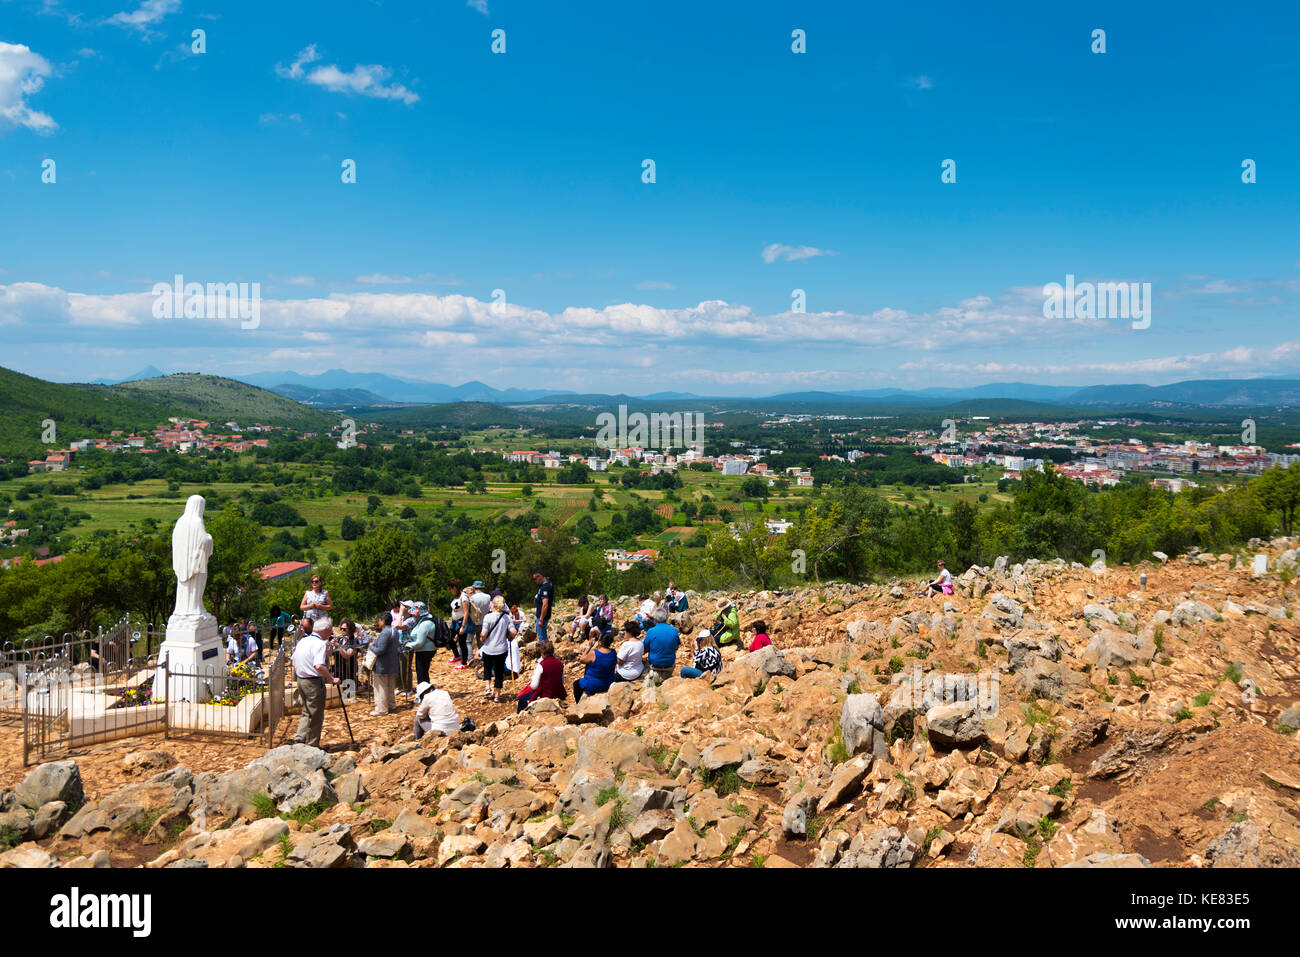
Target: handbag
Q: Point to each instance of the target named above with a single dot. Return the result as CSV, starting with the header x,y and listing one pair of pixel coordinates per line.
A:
x,y
368,663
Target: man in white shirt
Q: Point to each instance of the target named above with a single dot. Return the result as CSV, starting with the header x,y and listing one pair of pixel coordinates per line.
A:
x,y
311,672
434,711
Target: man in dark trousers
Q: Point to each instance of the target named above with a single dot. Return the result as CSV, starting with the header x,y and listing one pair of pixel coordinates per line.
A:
x,y
544,602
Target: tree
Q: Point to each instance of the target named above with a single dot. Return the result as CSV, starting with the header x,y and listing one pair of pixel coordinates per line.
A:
x,y
237,550
1278,490
352,528
382,563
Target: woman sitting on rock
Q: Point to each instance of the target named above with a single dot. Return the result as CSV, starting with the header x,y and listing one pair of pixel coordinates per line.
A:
x,y
708,660
548,679
601,662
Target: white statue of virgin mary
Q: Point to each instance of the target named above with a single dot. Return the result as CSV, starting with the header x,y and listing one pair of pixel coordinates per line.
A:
x,y
191,548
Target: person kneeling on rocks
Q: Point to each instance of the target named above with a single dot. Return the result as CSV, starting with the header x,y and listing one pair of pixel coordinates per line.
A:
x,y
434,711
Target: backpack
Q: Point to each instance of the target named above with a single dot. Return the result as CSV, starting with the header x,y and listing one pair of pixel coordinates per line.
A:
x,y
441,633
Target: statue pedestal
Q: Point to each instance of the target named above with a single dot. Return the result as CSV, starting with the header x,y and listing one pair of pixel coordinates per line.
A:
x,y
195,657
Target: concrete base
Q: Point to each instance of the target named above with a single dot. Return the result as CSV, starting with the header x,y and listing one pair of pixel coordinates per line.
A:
x,y
195,657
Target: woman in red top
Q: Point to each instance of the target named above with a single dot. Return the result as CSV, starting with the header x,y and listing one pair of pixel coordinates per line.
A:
x,y
548,679
760,636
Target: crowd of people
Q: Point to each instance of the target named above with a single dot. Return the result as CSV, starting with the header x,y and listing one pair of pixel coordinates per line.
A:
x,y
403,643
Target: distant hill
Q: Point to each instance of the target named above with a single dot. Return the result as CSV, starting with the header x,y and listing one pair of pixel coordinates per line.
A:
x,y
458,414
78,411
221,400
391,388
330,398
1196,392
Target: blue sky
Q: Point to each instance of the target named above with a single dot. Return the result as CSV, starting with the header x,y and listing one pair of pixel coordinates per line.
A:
x,y
775,171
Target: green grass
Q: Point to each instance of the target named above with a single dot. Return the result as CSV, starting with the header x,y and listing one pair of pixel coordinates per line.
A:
x,y
606,794
724,781
836,749
1182,714
10,836
378,824
1233,674
307,814
142,825
263,806
1062,788
286,848
1035,713
758,860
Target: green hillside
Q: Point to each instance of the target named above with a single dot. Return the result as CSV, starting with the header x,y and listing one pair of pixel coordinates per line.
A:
x,y
92,411
221,400
459,414
77,410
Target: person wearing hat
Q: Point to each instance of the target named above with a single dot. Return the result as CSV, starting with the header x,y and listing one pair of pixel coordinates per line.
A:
x,y
434,711
708,660
726,627
310,655
421,641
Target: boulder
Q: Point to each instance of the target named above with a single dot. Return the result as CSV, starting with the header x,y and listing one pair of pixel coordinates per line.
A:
x,y
1119,649
384,844
1004,610
323,849
611,751
954,726
55,781
862,724
847,782
723,754
885,847
1192,612
291,790
1097,615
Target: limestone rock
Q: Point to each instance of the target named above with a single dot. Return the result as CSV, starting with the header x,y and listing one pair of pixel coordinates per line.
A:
x,y
55,781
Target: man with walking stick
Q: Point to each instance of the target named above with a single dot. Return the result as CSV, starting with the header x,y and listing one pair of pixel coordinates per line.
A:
x,y
311,672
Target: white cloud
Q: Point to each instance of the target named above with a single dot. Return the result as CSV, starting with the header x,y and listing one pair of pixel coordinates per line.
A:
x,y
654,284
293,280
790,253
22,73
268,119
479,5
146,15
435,339
363,79
426,278
921,82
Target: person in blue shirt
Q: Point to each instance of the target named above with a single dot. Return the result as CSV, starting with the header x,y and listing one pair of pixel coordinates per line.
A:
x,y
601,661
661,643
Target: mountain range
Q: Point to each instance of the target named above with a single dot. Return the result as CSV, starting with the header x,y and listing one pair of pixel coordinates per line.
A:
x,y
338,388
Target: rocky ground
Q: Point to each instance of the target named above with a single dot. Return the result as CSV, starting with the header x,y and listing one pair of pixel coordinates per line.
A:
x,y
1133,727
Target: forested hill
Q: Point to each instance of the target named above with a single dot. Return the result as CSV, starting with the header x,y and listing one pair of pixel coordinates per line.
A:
x,y
93,411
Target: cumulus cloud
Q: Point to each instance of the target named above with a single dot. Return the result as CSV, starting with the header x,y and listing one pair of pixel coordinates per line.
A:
x,y
479,5
781,251
22,73
363,79
145,16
